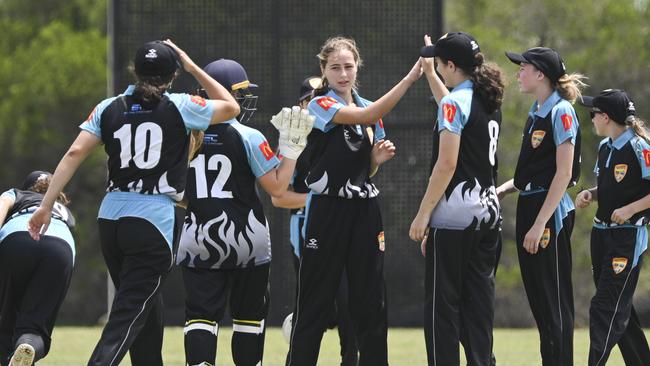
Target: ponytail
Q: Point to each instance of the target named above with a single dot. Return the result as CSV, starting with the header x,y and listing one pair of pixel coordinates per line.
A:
x,y
149,90
322,89
488,83
569,86
638,126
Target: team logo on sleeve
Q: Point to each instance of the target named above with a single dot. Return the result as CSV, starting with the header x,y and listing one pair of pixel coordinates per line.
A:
x,y
646,157
619,264
381,242
90,116
546,238
567,121
198,100
619,172
537,137
449,111
266,150
326,103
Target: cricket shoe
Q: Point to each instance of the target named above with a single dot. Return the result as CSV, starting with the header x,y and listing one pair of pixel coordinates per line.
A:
x,y
23,356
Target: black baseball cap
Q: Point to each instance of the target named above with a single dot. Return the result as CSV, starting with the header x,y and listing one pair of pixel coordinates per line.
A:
x,y
458,47
34,177
546,60
156,59
229,73
614,102
308,85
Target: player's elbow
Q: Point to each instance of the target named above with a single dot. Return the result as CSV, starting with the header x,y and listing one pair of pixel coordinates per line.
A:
x,y
447,165
232,110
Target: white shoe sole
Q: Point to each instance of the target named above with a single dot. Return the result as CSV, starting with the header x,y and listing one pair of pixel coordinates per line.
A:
x,y
23,356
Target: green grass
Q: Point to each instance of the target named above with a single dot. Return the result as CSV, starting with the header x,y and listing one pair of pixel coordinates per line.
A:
x,y
73,346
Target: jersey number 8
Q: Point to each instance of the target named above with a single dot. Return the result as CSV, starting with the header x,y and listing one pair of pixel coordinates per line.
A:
x,y
493,130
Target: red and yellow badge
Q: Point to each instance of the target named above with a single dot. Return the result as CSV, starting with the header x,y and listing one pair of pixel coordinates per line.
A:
x,y
646,157
266,150
567,121
198,100
619,172
381,242
326,102
546,238
619,264
449,111
537,137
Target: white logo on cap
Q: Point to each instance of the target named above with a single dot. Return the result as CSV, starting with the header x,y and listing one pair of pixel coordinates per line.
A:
x,y
474,45
630,106
152,54
563,67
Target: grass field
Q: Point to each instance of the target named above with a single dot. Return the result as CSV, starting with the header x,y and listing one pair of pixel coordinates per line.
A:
x,y
513,347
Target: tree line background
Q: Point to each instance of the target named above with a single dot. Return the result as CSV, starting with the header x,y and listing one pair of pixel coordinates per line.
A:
x,y
53,70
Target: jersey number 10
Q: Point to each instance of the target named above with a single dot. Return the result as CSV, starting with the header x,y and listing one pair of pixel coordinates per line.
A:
x,y
147,145
218,162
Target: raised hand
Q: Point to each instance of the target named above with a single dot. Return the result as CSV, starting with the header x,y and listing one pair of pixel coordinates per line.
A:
x,y
294,125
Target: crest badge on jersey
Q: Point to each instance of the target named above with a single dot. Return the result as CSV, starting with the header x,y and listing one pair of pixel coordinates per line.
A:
x,y
326,103
646,157
266,150
619,172
381,241
567,121
546,238
537,137
449,111
619,264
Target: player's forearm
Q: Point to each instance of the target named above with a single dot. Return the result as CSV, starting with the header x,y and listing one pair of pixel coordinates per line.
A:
x,y
640,204
290,200
507,187
438,182
76,154
281,177
438,88
553,197
372,113
6,204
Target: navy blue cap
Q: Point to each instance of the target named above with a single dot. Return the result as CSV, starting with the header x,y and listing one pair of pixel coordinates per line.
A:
x,y
458,47
34,177
546,60
308,86
614,102
156,59
230,74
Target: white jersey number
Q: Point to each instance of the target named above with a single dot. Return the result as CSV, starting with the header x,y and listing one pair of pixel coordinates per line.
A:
x,y
493,130
217,162
147,145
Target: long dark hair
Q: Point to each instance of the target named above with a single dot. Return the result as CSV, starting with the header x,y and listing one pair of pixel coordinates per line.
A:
x,y
149,90
488,81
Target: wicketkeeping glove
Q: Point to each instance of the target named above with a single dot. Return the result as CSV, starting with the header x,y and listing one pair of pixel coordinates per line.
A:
x,y
294,126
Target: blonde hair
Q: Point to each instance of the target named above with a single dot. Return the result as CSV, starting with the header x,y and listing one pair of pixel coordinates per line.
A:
x,y
638,126
569,86
196,142
330,46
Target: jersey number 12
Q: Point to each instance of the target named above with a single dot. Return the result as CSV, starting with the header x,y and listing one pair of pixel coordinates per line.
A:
x,y
218,162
